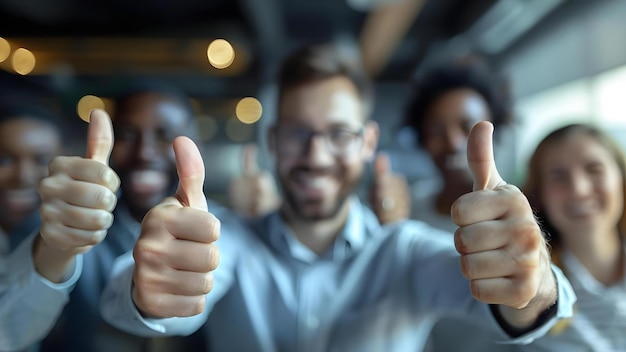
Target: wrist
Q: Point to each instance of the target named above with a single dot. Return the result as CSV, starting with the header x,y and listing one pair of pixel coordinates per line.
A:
x,y
50,262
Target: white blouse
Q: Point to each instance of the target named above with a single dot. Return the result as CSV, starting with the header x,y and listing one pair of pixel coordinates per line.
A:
x,y
599,322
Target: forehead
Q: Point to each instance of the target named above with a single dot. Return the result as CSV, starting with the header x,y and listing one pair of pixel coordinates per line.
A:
x,y
152,109
319,104
575,149
28,133
460,103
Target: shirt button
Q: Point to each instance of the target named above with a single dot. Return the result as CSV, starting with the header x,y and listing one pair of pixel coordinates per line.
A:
x,y
312,322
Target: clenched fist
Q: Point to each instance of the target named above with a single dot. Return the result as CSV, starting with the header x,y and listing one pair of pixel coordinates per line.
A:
x,y
503,252
175,254
254,192
78,196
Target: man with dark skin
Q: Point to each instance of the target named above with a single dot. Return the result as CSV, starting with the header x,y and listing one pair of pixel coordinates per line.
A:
x,y
147,118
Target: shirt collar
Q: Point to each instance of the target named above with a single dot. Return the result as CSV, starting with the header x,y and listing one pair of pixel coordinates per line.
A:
x,y
350,240
580,276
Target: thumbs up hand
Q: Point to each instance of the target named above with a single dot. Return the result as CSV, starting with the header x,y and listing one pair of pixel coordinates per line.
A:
x,y
77,200
253,193
503,252
78,196
175,254
390,195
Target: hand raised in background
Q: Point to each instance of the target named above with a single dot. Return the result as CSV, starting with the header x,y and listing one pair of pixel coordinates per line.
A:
x,y
503,252
390,195
253,193
175,254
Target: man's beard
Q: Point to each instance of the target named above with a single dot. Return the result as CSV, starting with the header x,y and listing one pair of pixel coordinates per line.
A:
x,y
298,207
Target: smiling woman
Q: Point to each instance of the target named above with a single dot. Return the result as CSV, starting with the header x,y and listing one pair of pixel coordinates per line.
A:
x,y
29,139
576,181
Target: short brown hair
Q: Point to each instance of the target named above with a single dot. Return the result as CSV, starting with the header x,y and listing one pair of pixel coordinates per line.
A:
x,y
314,63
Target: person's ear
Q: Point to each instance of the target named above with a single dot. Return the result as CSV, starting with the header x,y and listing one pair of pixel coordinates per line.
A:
x,y
371,133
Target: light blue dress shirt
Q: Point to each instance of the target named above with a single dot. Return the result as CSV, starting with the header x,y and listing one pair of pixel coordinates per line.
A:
x,y
29,303
376,289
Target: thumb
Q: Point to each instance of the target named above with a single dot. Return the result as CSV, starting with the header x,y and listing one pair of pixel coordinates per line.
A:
x,y
250,165
99,136
382,165
480,157
190,168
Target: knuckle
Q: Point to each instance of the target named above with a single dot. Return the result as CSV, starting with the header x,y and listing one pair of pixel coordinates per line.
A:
x,y
102,219
48,213
100,196
213,226
466,266
95,237
197,306
477,291
140,279
460,242
207,283
47,187
456,211
146,253
213,257
154,219
57,164
48,232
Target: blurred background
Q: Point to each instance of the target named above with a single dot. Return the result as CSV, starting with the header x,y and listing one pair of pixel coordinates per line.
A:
x,y
564,60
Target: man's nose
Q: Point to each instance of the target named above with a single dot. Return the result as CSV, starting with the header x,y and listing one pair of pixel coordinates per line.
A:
x,y
146,147
26,173
580,185
318,152
455,140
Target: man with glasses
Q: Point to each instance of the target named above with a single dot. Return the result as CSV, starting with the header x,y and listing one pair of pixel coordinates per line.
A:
x,y
321,273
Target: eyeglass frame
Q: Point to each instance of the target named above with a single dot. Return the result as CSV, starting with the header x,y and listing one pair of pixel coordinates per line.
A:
x,y
357,141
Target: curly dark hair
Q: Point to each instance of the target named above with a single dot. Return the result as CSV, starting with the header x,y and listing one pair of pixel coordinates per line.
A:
x,y
440,80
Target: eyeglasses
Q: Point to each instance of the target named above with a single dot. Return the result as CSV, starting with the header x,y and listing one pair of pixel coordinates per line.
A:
x,y
296,140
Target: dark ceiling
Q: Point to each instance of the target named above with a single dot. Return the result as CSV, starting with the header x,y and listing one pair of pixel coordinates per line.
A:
x,y
87,39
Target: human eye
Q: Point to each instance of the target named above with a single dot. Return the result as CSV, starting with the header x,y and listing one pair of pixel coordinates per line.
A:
x,y
556,176
595,168
125,135
341,137
165,135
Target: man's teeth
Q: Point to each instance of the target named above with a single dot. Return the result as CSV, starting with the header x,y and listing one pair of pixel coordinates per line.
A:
x,y
148,177
316,181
